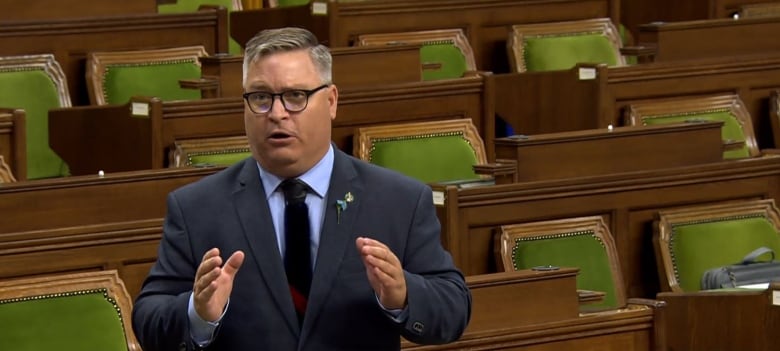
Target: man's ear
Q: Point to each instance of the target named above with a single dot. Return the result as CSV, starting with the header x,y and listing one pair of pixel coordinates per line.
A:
x,y
333,98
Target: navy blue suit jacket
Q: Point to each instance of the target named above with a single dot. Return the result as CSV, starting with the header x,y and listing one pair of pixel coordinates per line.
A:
x,y
228,210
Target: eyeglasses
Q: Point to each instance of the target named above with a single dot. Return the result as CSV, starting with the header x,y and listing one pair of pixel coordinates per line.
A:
x,y
292,100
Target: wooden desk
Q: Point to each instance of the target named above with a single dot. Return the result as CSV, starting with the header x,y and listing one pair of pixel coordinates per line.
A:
x,y
628,202
352,66
110,138
728,321
537,311
485,22
71,39
603,151
689,40
594,96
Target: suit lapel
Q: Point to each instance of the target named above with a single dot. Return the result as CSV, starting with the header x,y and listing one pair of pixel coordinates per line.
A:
x,y
336,235
255,217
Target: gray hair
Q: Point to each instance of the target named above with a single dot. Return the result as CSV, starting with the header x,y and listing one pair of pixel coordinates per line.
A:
x,y
271,41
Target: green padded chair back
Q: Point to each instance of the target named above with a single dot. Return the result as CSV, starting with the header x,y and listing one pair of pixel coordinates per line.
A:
x,y
584,249
435,157
732,129
36,84
159,79
185,6
437,151
285,3
446,58
562,45
700,244
115,77
64,319
218,158
564,52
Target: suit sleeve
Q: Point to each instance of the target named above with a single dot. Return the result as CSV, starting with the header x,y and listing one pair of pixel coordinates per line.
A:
x,y
160,312
439,302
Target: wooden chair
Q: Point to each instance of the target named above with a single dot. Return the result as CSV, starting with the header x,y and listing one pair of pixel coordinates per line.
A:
x,y
436,151
690,240
209,152
585,243
81,311
739,139
114,77
36,84
561,45
6,176
444,53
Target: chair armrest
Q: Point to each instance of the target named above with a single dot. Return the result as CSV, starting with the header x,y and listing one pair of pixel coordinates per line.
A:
x,y
646,302
643,53
504,171
729,145
590,296
208,86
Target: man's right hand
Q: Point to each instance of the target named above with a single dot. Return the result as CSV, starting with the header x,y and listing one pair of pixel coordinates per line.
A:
x,y
214,282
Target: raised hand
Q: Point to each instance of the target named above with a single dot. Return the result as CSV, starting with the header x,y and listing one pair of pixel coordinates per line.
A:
x,y
214,282
385,273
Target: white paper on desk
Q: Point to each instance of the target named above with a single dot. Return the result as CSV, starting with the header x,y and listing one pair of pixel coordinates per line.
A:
x,y
759,286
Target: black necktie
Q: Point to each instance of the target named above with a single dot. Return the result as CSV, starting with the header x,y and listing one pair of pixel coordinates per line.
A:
x,y
297,257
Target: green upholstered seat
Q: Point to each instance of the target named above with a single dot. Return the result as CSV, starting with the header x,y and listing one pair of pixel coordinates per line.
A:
x,y
285,3
115,77
444,53
584,243
438,151
562,45
729,109
36,84
69,312
208,152
184,6
692,240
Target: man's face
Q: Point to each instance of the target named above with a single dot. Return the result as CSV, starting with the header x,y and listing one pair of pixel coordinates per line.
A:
x,y
285,143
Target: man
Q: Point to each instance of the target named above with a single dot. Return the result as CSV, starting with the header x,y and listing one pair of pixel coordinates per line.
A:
x,y
372,267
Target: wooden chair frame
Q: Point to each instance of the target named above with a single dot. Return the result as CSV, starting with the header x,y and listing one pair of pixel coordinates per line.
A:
x,y
64,283
45,62
365,136
774,116
508,235
663,229
518,34
456,36
637,113
98,63
183,150
6,176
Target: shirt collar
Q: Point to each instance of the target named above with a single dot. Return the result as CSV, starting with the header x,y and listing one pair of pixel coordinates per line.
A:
x,y
318,177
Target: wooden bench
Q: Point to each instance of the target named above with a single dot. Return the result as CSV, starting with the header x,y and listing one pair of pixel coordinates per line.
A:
x,y
627,201
110,138
71,39
485,22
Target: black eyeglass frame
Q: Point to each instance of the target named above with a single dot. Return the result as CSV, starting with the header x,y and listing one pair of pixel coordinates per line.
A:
x,y
308,94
